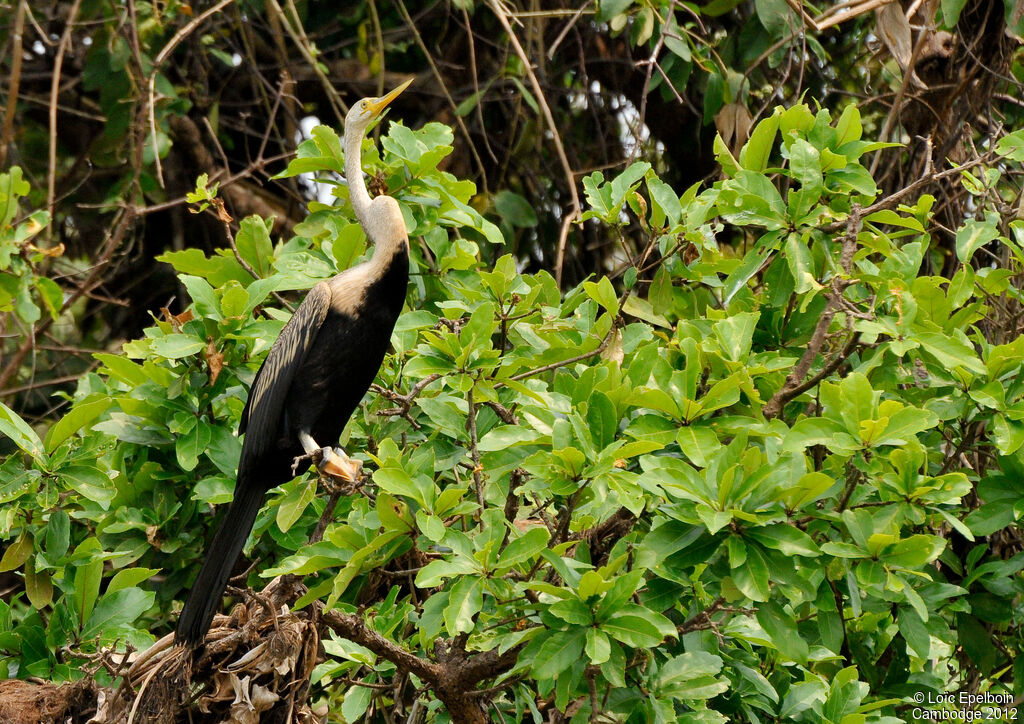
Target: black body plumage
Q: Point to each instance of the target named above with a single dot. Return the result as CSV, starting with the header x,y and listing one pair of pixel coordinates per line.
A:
x,y
312,380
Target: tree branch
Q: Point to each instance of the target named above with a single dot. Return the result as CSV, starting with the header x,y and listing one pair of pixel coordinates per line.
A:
x,y
794,380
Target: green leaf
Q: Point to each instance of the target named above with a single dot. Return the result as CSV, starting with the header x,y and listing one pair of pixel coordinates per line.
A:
x,y
625,181
436,571
515,209
848,127
88,576
914,632
603,293
19,432
776,16
798,257
785,538
524,548
598,647
254,245
752,579
601,419
973,235
90,483
81,415
191,444
665,200
755,153
1012,144
51,294
17,552
176,346
572,610
558,652
735,334
950,351
294,504
130,577
464,602
905,424
115,610
632,630
750,199
951,12
976,642
356,702
38,585
58,535
914,552
781,626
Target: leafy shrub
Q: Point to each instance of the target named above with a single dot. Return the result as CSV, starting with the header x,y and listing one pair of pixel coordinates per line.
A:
x,y
770,473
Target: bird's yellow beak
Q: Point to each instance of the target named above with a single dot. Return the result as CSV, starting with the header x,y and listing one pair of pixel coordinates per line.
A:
x,y
377,105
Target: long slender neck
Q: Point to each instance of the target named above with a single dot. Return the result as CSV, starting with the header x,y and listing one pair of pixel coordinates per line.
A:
x,y
385,227
354,175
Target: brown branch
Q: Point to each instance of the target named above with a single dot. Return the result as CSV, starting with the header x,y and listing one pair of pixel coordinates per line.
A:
x,y
404,401
452,678
325,517
702,620
603,537
14,82
182,33
578,358
793,384
894,198
853,476
353,628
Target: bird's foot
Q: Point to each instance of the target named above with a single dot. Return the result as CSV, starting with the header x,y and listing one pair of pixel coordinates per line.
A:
x,y
336,464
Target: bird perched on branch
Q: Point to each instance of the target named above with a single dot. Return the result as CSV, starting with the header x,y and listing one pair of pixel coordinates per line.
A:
x,y
314,376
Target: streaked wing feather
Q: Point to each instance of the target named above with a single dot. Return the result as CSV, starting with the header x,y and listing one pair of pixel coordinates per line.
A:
x,y
262,413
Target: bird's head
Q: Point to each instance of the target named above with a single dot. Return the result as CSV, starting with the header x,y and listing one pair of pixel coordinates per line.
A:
x,y
365,111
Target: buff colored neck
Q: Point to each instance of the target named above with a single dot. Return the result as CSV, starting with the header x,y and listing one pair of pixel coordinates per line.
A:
x,y
381,218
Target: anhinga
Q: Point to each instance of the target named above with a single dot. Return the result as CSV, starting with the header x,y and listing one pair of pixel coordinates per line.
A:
x,y
314,375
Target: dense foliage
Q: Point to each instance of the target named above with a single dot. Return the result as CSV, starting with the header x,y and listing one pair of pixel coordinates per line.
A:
x,y
745,448
624,495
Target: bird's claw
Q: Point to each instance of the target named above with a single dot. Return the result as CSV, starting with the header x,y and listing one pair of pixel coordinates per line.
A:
x,y
335,463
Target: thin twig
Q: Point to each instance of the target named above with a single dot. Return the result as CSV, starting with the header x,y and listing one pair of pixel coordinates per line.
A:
x,y
404,11
792,386
570,177
298,33
13,82
580,357
565,30
58,63
182,33
476,83
113,242
890,118
821,24
404,401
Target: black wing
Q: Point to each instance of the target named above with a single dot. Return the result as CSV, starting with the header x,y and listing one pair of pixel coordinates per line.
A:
x,y
264,408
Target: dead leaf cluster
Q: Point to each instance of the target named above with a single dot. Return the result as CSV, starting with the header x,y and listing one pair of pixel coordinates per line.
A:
x,y
254,667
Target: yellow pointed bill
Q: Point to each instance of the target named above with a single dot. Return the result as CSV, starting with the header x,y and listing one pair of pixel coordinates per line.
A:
x,y
379,104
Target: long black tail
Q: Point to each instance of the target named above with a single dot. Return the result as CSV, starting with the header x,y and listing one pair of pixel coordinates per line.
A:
x,y
205,597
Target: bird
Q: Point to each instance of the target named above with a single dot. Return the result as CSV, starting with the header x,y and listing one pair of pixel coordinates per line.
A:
x,y
314,376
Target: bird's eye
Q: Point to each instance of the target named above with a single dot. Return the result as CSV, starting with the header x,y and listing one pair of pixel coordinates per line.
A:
x,y
363,104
